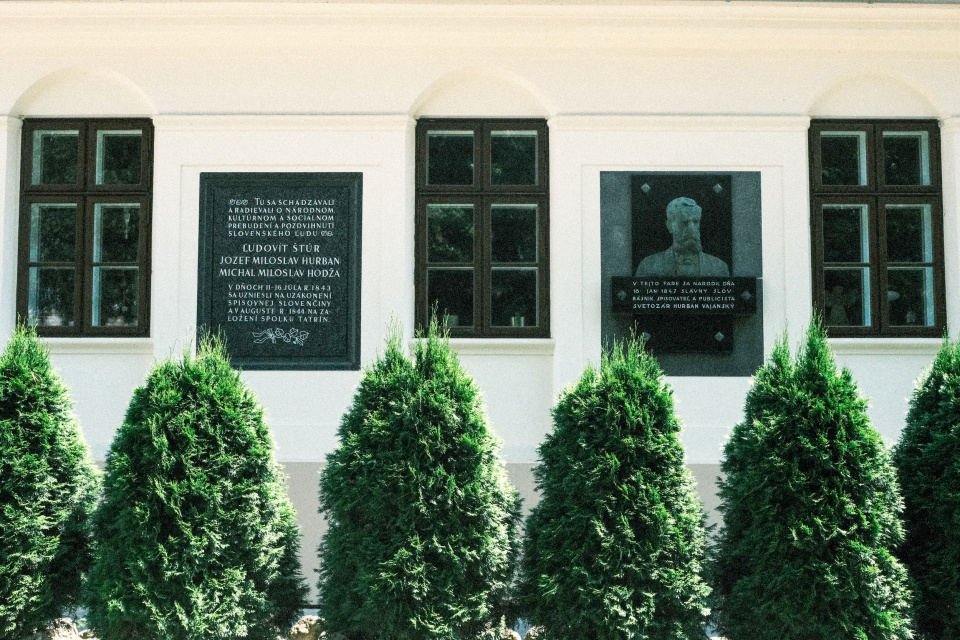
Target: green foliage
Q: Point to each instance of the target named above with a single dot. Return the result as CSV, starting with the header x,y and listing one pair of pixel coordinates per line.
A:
x,y
811,511
928,465
195,536
48,488
614,549
423,523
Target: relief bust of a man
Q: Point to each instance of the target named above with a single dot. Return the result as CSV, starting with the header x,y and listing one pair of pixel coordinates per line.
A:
x,y
685,257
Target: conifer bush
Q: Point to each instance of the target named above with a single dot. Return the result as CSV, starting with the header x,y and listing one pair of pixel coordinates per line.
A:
x,y
928,467
423,523
48,488
196,538
811,511
614,549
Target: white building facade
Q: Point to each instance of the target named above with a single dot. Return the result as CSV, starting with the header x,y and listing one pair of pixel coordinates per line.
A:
x,y
624,88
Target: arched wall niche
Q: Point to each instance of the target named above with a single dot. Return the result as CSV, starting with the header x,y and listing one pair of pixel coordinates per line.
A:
x,y
83,91
874,96
481,92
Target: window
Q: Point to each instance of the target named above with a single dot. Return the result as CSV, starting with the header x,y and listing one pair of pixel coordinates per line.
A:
x,y
482,227
85,226
877,227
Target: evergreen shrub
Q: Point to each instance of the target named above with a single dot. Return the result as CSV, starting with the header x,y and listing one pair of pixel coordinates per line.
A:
x,y
423,523
48,488
928,466
811,511
614,549
196,538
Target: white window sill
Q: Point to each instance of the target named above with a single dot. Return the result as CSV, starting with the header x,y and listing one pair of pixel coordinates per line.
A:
x,y
885,346
501,346
100,346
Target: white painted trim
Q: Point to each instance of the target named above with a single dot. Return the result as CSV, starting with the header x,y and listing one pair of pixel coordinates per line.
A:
x,y
100,346
260,123
885,346
678,123
500,347
10,123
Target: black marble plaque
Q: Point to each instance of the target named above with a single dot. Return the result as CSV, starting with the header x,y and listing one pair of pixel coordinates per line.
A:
x,y
685,296
279,269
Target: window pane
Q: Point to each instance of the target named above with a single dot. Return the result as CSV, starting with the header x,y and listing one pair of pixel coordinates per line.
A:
x,y
50,296
847,297
843,157
845,233
910,296
906,158
450,157
451,291
116,232
53,232
118,156
56,156
909,233
513,157
513,233
115,296
450,233
514,297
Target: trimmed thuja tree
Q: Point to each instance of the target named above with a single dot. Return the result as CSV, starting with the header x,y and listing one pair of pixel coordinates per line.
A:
x,y
614,549
48,488
811,511
422,520
195,536
928,466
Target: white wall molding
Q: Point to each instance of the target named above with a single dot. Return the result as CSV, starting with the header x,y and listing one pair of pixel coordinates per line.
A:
x,y
885,346
684,123
100,346
275,122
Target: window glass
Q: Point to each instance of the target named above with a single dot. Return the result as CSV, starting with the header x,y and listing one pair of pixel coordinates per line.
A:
x,y
514,297
847,297
450,157
115,296
56,157
909,233
906,158
51,296
451,292
513,157
450,233
116,232
118,157
843,157
53,232
845,233
513,233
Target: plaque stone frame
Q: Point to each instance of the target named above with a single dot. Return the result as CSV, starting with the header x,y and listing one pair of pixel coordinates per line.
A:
x,y
279,268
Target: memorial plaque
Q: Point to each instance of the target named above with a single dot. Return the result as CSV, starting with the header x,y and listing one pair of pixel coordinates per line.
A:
x,y
279,269
685,296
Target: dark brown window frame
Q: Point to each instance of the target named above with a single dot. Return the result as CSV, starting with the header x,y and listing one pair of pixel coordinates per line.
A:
x,y
876,195
482,194
86,194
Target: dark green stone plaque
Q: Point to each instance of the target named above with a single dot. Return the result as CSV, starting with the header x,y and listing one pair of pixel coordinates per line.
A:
x,y
279,269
